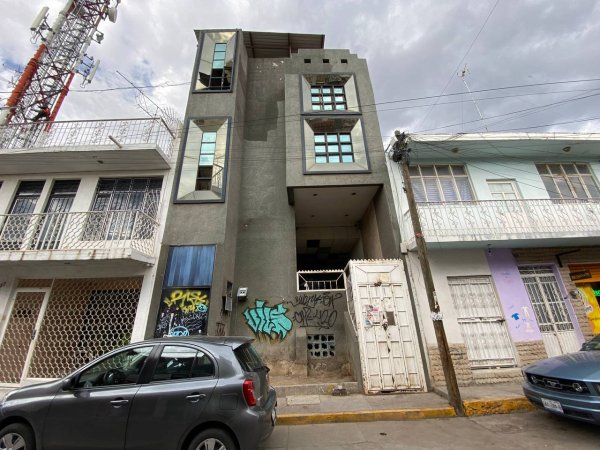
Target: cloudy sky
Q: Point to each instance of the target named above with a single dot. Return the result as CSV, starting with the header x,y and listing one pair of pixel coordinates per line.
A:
x,y
544,52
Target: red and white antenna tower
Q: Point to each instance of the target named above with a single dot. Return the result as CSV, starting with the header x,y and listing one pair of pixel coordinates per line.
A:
x,y
45,80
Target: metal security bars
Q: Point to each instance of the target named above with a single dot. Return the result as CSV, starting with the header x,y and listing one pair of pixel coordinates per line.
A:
x,y
321,280
78,231
88,133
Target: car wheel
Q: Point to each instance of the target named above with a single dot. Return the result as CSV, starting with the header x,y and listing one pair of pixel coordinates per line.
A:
x,y
16,436
213,439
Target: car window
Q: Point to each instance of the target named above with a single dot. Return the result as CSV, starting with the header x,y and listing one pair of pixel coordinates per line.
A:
x,y
179,362
593,344
122,368
248,358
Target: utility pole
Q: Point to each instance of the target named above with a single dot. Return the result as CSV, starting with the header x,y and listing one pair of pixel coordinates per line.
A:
x,y
401,155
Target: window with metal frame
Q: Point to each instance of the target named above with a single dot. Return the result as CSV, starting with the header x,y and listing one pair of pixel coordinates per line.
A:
x,y
219,76
440,183
568,180
15,228
333,148
206,161
328,97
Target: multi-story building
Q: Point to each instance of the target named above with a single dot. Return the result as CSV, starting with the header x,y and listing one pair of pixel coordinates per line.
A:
x,y
281,180
82,208
511,223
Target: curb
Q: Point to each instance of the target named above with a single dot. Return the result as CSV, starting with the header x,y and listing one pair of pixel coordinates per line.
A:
x,y
478,407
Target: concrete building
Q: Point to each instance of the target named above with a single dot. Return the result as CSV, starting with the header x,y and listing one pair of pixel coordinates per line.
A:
x,y
512,228
82,209
281,180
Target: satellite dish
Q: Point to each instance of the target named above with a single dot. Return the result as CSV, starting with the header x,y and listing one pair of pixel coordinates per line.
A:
x,y
112,14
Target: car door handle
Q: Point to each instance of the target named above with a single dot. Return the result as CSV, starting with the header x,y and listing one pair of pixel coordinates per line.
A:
x,y
193,398
119,402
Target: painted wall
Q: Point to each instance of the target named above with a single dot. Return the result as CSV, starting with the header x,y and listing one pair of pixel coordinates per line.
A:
x,y
514,299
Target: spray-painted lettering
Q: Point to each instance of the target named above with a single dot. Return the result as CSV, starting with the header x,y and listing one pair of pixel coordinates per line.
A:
x,y
268,321
316,310
187,301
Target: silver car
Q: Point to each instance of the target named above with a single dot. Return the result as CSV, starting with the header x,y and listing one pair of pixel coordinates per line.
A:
x,y
567,385
188,393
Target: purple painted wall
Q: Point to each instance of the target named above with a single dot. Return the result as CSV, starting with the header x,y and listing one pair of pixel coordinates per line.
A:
x,y
513,296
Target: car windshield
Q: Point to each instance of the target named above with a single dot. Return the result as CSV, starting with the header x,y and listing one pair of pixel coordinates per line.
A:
x,y
593,344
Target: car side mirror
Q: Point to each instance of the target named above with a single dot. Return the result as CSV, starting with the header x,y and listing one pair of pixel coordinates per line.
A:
x,y
68,383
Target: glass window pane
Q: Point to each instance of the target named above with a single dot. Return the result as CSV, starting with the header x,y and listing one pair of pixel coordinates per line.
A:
x,y
464,189
418,190
347,158
340,106
203,366
206,160
542,169
569,169
334,159
583,168
338,90
175,363
123,368
315,90
346,148
326,99
427,171
218,64
332,138
320,149
458,170
320,159
448,191
315,99
221,47
339,98
442,170
209,136
563,188
432,190
220,56
591,186
345,137
327,107
550,186
208,148
319,138
555,169
578,187
333,149
414,171
316,107
326,90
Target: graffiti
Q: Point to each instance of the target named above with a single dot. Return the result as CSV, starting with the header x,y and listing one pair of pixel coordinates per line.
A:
x,y
515,316
269,321
182,313
316,310
187,301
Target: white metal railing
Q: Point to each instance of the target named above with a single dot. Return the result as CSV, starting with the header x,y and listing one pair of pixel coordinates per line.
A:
x,y
88,133
78,231
321,280
507,219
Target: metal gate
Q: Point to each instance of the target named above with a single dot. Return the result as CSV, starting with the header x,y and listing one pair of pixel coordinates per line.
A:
x,y
380,306
49,334
558,332
481,322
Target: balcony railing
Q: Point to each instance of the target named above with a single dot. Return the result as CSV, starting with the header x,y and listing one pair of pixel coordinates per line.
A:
x,y
91,230
88,133
508,219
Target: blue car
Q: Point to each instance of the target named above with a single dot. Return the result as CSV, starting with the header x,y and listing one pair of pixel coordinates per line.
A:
x,y
567,385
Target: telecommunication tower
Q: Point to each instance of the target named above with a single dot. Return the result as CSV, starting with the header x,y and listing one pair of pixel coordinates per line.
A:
x,y
46,79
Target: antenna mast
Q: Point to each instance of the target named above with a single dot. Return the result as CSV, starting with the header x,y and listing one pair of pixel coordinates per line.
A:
x,y
45,80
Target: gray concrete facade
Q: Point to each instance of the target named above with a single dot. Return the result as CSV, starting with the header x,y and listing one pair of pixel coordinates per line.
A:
x,y
280,212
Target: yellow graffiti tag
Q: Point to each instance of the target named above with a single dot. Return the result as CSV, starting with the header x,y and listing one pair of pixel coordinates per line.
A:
x,y
187,301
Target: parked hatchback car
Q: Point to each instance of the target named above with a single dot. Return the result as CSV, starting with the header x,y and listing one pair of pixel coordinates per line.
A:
x,y
179,393
568,385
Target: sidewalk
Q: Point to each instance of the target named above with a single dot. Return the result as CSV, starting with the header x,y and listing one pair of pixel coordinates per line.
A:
x,y
321,408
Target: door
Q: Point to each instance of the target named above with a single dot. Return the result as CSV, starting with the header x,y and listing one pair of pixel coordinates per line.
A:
x,y
94,413
390,356
173,402
511,214
558,332
21,333
53,222
16,227
481,322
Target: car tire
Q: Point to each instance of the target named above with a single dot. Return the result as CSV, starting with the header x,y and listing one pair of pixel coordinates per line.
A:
x,y
17,436
212,439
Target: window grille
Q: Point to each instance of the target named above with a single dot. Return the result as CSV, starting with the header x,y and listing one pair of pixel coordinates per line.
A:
x,y
322,280
333,148
321,345
440,183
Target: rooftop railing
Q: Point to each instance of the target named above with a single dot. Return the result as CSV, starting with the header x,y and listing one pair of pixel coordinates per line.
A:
x,y
117,133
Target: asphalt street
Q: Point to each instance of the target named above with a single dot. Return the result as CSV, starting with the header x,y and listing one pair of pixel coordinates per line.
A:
x,y
531,430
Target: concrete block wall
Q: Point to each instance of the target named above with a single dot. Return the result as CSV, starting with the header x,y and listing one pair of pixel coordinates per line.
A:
x,y
460,360
530,352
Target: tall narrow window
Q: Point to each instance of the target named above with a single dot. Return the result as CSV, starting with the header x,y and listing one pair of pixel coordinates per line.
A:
x,y
219,77
440,183
328,98
206,167
216,61
19,223
333,148
568,180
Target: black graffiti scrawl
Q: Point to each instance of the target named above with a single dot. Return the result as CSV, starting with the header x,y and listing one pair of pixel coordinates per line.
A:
x,y
316,310
183,312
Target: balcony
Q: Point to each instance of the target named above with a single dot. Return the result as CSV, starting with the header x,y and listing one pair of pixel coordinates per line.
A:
x,y
90,145
78,236
521,222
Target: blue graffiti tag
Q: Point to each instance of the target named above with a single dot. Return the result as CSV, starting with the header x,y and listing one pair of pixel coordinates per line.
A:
x,y
515,316
179,331
268,320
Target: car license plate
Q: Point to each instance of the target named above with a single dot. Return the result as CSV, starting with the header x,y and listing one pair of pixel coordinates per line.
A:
x,y
273,416
552,405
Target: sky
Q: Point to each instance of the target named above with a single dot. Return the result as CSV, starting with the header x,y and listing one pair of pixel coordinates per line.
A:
x,y
528,65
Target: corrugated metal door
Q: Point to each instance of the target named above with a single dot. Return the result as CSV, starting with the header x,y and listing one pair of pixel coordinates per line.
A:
x,y
558,332
390,356
481,322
